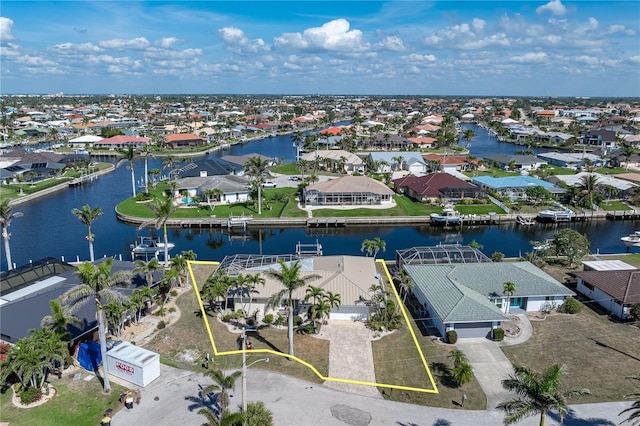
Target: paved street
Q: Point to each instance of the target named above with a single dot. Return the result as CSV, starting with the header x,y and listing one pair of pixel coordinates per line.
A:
x,y
173,399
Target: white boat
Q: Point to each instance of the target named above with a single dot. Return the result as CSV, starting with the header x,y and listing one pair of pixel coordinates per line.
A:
x,y
631,240
555,214
525,221
150,246
448,216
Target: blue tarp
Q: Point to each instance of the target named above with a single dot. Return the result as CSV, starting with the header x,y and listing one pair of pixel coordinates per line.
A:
x,y
89,355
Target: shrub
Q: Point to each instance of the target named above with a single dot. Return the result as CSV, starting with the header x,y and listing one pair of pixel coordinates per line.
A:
x,y
161,325
297,321
571,306
280,320
268,319
174,293
172,309
498,334
30,395
452,337
497,256
227,318
239,314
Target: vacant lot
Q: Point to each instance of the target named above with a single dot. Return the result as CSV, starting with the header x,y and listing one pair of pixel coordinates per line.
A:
x,y
598,353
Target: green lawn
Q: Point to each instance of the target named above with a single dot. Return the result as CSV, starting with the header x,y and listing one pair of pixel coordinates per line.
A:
x,y
613,206
286,169
611,170
479,209
77,402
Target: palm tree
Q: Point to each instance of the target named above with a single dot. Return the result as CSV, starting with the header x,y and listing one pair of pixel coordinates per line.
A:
x,y
114,315
252,281
588,185
226,418
179,263
256,167
210,194
97,282
147,268
509,289
458,357
169,162
258,415
163,208
315,293
87,216
627,151
128,156
146,152
537,393
462,373
6,217
372,247
59,320
289,277
320,311
468,135
222,383
634,410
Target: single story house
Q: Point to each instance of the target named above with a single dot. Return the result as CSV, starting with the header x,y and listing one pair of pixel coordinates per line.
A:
x,y
449,163
384,162
572,160
614,290
331,158
122,142
349,276
27,290
469,297
235,189
84,141
623,187
182,140
209,167
349,191
516,162
241,160
436,187
514,187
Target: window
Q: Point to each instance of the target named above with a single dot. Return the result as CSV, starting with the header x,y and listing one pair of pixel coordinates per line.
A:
x,y
497,302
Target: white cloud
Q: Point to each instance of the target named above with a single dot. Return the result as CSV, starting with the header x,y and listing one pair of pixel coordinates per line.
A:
x,y
6,30
613,29
478,24
415,57
157,53
34,61
465,36
167,42
635,59
555,7
73,48
530,57
587,27
138,43
333,36
392,43
238,42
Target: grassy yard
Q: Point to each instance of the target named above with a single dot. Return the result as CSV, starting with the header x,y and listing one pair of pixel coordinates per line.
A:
x,y
613,206
77,402
479,209
598,353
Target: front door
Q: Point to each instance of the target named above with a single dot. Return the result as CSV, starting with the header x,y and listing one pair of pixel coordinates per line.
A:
x,y
518,302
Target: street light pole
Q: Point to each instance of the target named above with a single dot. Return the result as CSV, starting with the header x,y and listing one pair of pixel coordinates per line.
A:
x,y
244,373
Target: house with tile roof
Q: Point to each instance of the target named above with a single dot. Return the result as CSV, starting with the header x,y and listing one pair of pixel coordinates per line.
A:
x,y
209,167
331,158
182,140
349,191
469,297
514,187
615,290
441,188
234,189
122,142
349,276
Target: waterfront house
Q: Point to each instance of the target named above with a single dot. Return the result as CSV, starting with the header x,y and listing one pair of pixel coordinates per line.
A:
x,y
350,191
183,140
601,138
411,161
514,187
438,188
122,142
516,162
84,142
449,163
241,160
234,189
468,297
614,290
349,276
208,167
572,160
623,187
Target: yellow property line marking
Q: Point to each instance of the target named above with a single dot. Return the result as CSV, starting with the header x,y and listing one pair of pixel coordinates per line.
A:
x,y
433,389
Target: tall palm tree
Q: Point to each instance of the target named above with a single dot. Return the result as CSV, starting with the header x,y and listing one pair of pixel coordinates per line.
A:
x,y
289,277
97,283
256,167
146,152
627,151
509,289
537,393
87,216
223,383
372,247
588,186
169,162
147,269
128,156
6,217
252,281
163,208
634,410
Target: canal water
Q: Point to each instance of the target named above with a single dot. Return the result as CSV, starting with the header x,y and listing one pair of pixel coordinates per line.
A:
x,y
48,228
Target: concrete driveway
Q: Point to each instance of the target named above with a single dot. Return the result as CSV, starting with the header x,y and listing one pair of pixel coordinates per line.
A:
x,y
490,366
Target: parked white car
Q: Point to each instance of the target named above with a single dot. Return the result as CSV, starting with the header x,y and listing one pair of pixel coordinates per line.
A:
x,y
269,184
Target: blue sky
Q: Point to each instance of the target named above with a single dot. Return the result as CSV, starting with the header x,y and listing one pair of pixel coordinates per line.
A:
x,y
520,48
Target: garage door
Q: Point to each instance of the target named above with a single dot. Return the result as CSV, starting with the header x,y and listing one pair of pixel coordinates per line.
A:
x,y
350,313
475,329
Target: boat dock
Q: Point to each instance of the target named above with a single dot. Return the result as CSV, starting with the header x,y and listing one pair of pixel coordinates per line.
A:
x,y
343,222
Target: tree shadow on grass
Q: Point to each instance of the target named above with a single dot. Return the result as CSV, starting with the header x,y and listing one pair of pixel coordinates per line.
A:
x,y
260,338
445,374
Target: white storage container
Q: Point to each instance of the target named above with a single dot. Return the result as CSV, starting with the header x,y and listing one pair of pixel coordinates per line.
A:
x,y
133,364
